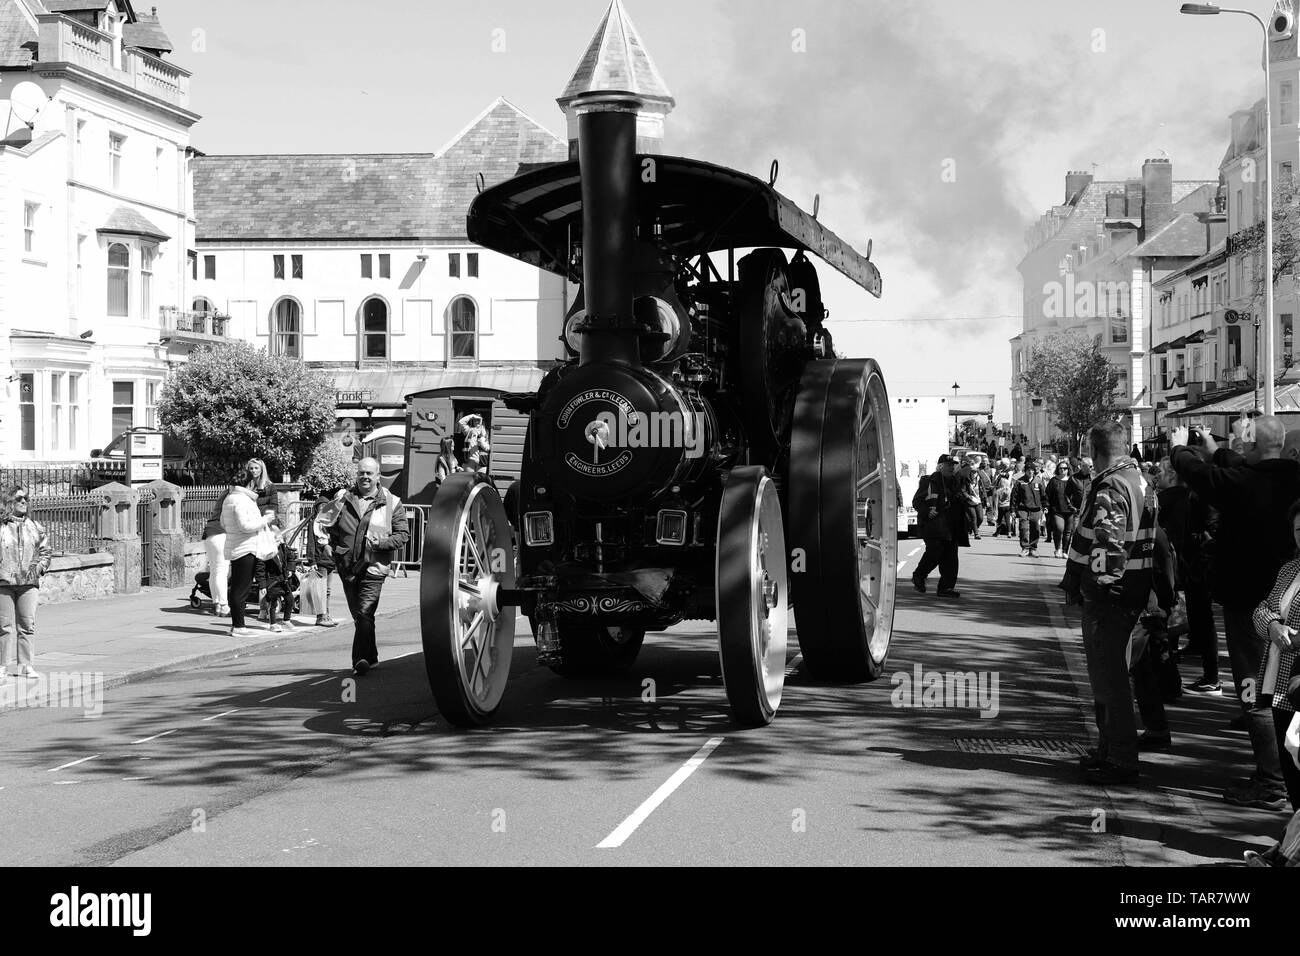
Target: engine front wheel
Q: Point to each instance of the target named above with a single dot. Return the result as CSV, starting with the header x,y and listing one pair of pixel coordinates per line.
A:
x,y
752,595
468,636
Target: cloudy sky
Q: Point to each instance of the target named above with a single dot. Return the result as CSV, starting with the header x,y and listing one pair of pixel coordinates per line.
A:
x,y
941,130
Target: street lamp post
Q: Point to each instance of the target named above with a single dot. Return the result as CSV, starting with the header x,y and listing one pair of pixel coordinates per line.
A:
x,y
1210,9
956,434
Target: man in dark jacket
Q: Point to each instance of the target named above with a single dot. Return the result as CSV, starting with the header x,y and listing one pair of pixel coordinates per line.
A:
x,y
1253,542
1027,503
941,521
1110,571
368,530
1189,523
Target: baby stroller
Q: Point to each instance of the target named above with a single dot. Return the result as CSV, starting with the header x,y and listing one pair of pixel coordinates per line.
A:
x,y
203,586
278,577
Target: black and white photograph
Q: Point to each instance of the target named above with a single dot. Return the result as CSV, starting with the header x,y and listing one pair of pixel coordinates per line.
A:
x,y
650,433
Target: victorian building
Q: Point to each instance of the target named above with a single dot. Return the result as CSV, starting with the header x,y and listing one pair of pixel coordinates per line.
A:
x,y
1089,269
96,224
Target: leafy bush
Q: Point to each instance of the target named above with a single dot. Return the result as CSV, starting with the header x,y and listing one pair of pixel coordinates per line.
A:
x,y
330,466
233,402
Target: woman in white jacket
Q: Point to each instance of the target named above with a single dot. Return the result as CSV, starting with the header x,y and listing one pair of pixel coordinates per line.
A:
x,y
243,523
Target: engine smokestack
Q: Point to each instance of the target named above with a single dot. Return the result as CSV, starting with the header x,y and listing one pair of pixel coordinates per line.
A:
x,y
607,164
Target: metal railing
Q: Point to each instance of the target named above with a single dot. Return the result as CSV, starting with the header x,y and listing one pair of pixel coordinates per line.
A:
x,y
182,320
197,507
69,520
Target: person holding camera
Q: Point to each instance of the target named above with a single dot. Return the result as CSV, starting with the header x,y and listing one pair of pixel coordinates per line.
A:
x,y
1254,542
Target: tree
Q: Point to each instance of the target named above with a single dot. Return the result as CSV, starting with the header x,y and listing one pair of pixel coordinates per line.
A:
x,y
330,466
1076,381
233,402
1286,237
1286,243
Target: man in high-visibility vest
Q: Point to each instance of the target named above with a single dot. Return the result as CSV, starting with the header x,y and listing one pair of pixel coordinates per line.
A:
x,y
1110,570
368,530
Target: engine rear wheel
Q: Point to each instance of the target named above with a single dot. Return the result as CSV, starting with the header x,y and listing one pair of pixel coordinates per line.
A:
x,y
843,520
468,637
752,595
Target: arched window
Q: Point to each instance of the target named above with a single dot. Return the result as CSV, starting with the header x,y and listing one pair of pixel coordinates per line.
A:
x,y
119,278
374,328
287,329
203,305
464,328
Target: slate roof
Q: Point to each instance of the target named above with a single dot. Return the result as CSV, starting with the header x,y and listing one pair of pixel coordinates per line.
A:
x,y
126,221
17,35
1184,235
616,60
366,195
146,33
75,6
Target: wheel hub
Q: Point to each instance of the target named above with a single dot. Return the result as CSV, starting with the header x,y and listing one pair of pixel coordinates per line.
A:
x,y
770,595
483,597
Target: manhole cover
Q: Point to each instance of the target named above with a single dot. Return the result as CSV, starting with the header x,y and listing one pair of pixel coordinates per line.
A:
x,y
1021,746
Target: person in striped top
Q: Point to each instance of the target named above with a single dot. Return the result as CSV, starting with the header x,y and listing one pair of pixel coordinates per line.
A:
x,y
1109,571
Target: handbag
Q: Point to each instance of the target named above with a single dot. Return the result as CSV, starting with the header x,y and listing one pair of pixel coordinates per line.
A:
x,y
312,592
266,546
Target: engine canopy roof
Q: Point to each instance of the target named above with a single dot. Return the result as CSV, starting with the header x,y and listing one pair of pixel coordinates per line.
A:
x,y
701,207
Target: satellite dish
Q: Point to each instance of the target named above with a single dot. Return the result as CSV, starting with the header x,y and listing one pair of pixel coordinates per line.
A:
x,y
26,102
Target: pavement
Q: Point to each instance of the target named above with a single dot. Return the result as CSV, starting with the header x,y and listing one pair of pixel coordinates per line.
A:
x,y
131,637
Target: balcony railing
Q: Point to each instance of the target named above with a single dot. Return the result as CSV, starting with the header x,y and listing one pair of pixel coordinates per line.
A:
x,y
64,40
197,324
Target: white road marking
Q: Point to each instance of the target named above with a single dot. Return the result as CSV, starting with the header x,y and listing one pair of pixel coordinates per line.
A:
x,y
319,682
72,763
135,778
266,700
222,714
639,815
913,551
145,740
59,783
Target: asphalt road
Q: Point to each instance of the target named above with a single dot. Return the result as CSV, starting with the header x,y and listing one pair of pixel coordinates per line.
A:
x,y
280,757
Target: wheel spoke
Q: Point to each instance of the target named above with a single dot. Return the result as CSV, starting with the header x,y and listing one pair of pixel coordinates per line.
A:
x,y
473,547
868,420
483,652
469,588
875,475
466,640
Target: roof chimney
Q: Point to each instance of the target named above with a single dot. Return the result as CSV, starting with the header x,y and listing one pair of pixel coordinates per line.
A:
x,y
1216,228
1157,195
1075,183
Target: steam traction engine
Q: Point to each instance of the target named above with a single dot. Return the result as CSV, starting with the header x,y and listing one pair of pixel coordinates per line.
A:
x,y
702,454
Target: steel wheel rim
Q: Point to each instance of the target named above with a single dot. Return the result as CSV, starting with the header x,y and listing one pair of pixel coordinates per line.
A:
x,y
478,625
769,593
876,532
